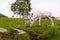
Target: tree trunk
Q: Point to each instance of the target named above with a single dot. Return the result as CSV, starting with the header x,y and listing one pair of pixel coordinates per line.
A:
x,y
25,15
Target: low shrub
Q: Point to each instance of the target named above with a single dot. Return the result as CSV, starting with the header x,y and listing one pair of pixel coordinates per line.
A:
x,y
22,37
40,32
10,36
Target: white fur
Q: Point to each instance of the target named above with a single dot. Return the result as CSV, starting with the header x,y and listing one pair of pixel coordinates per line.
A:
x,y
39,15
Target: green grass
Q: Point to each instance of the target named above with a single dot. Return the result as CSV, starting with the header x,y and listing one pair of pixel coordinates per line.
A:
x,y
9,23
16,22
45,28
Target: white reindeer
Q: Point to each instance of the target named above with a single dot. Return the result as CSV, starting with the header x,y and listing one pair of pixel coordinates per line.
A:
x,y
39,15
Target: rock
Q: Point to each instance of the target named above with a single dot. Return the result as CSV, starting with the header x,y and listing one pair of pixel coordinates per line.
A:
x,y
19,31
3,30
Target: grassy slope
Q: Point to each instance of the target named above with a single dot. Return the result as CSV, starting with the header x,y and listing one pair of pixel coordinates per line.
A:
x,y
10,23
16,22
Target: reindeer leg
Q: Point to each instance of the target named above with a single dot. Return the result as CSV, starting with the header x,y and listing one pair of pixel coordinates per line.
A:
x,y
39,20
52,23
30,21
